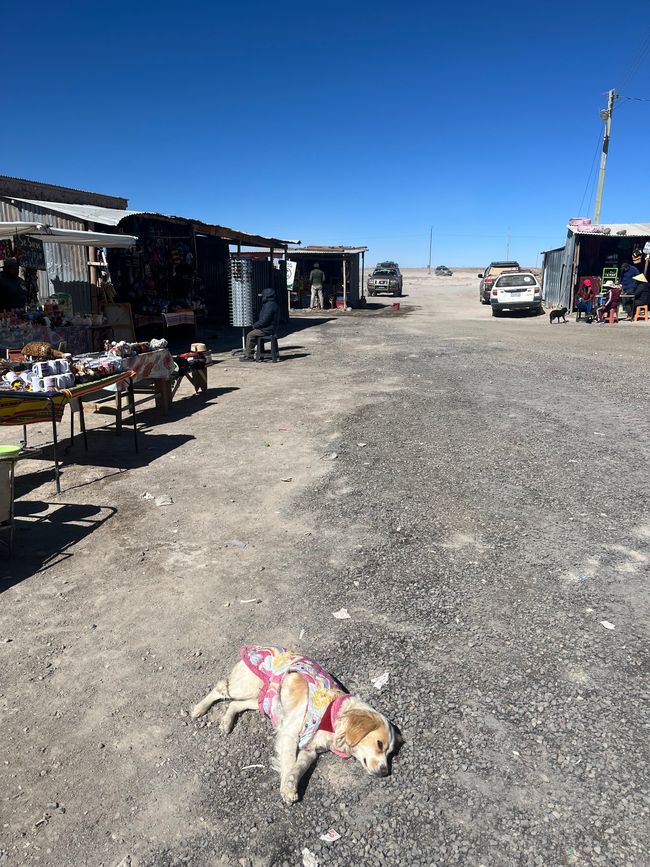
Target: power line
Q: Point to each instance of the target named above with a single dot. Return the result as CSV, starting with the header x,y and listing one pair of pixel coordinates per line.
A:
x,y
634,98
637,60
591,170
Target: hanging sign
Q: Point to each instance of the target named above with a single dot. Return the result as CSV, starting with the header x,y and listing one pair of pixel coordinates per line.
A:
x,y
29,252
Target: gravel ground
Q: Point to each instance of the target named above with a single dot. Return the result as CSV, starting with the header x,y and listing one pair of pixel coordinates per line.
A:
x,y
486,512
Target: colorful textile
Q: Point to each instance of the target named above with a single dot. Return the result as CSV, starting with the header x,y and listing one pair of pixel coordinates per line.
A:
x,y
25,407
179,317
150,365
325,695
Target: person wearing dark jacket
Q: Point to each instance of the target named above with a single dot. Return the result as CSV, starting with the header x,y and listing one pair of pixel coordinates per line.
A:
x,y
13,294
266,325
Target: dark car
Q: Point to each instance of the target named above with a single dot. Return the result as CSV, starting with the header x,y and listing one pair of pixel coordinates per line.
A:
x,y
391,266
387,280
443,271
490,275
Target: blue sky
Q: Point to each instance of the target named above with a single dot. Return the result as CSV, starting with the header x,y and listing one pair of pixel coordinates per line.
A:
x,y
360,123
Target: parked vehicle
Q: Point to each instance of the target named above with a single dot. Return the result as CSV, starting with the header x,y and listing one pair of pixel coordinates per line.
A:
x,y
516,290
443,271
391,266
489,276
385,280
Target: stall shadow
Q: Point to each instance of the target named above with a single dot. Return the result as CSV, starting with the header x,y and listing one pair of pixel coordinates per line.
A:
x,y
105,449
45,533
182,406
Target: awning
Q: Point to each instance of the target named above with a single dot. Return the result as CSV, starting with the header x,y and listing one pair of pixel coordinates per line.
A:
x,y
54,235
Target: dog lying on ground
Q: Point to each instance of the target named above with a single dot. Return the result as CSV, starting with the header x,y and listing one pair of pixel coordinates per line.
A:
x,y
310,711
557,314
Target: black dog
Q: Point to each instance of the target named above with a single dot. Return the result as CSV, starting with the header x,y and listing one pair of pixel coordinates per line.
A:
x,y
557,314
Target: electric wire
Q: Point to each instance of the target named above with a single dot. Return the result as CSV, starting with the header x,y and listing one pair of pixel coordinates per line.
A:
x,y
591,171
637,60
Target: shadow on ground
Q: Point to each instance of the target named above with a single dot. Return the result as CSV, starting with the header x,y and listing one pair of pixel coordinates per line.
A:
x,y
44,534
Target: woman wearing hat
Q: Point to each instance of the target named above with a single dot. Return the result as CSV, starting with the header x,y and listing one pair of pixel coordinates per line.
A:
x,y
611,300
586,296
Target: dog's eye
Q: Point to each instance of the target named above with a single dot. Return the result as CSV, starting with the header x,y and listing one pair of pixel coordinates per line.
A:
x,y
380,745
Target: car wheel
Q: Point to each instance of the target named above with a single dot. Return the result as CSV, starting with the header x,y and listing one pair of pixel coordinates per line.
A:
x,y
397,294
372,294
496,312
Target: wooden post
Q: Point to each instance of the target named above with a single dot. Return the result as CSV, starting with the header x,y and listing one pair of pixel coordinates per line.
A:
x,y
345,286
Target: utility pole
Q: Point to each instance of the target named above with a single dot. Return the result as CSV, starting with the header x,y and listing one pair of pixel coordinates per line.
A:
x,y
606,115
508,245
430,242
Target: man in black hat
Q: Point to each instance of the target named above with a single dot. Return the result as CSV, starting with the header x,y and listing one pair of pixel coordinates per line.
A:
x,y
266,325
12,290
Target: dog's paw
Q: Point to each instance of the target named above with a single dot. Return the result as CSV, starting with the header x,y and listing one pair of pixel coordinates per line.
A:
x,y
289,794
226,724
196,712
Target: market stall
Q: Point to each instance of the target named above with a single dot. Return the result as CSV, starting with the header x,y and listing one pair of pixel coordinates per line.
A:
x,y
599,254
343,268
54,319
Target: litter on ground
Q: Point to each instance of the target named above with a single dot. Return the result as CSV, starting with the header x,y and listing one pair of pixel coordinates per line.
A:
x,y
164,500
607,624
330,836
308,858
380,681
341,614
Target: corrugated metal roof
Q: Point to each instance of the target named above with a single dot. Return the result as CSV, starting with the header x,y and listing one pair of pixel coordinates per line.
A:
x,y
325,251
10,186
114,216
632,230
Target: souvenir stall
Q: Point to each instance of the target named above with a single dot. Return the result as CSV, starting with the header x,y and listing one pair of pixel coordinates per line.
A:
x,y
160,276
52,320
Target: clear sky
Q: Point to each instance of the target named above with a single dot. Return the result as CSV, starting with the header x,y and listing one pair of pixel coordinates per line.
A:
x,y
356,122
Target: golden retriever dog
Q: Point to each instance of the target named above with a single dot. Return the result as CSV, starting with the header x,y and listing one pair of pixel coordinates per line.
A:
x,y
310,711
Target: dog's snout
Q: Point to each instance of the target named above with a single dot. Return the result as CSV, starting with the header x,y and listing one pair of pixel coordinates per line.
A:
x,y
384,771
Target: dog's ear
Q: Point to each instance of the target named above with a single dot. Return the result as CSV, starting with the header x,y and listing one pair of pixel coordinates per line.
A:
x,y
359,722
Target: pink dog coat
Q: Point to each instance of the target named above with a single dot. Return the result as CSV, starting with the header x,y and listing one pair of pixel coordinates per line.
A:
x,y
325,695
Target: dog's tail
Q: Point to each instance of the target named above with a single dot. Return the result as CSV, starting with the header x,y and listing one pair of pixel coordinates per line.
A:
x,y
219,693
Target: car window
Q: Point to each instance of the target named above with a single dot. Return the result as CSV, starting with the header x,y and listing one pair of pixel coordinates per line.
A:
x,y
509,281
384,272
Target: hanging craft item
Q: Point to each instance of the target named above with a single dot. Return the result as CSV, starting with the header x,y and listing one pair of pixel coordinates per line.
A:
x,y
6,249
242,302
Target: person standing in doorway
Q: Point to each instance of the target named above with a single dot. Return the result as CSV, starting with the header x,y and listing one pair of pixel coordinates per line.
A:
x,y
316,280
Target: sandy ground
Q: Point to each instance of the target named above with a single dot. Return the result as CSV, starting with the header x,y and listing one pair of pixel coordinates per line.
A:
x,y
496,514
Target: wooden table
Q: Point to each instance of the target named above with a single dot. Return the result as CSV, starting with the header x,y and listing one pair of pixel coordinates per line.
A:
x,y
25,407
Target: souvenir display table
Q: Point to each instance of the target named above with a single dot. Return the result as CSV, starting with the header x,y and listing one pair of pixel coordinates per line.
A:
x,y
23,408
156,367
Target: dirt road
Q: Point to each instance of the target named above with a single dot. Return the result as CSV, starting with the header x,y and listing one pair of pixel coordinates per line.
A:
x,y
484,518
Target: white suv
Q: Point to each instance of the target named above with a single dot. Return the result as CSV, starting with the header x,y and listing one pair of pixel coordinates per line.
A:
x,y
516,291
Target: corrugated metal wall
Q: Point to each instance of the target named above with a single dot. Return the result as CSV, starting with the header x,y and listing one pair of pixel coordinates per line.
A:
x,y
557,278
67,266
355,276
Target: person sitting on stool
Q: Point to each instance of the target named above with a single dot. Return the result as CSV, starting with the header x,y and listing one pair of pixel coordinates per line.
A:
x,y
586,295
611,300
265,326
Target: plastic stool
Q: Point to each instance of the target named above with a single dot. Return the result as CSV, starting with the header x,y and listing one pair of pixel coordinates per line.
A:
x,y
613,317
8,457
641,312
260,354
